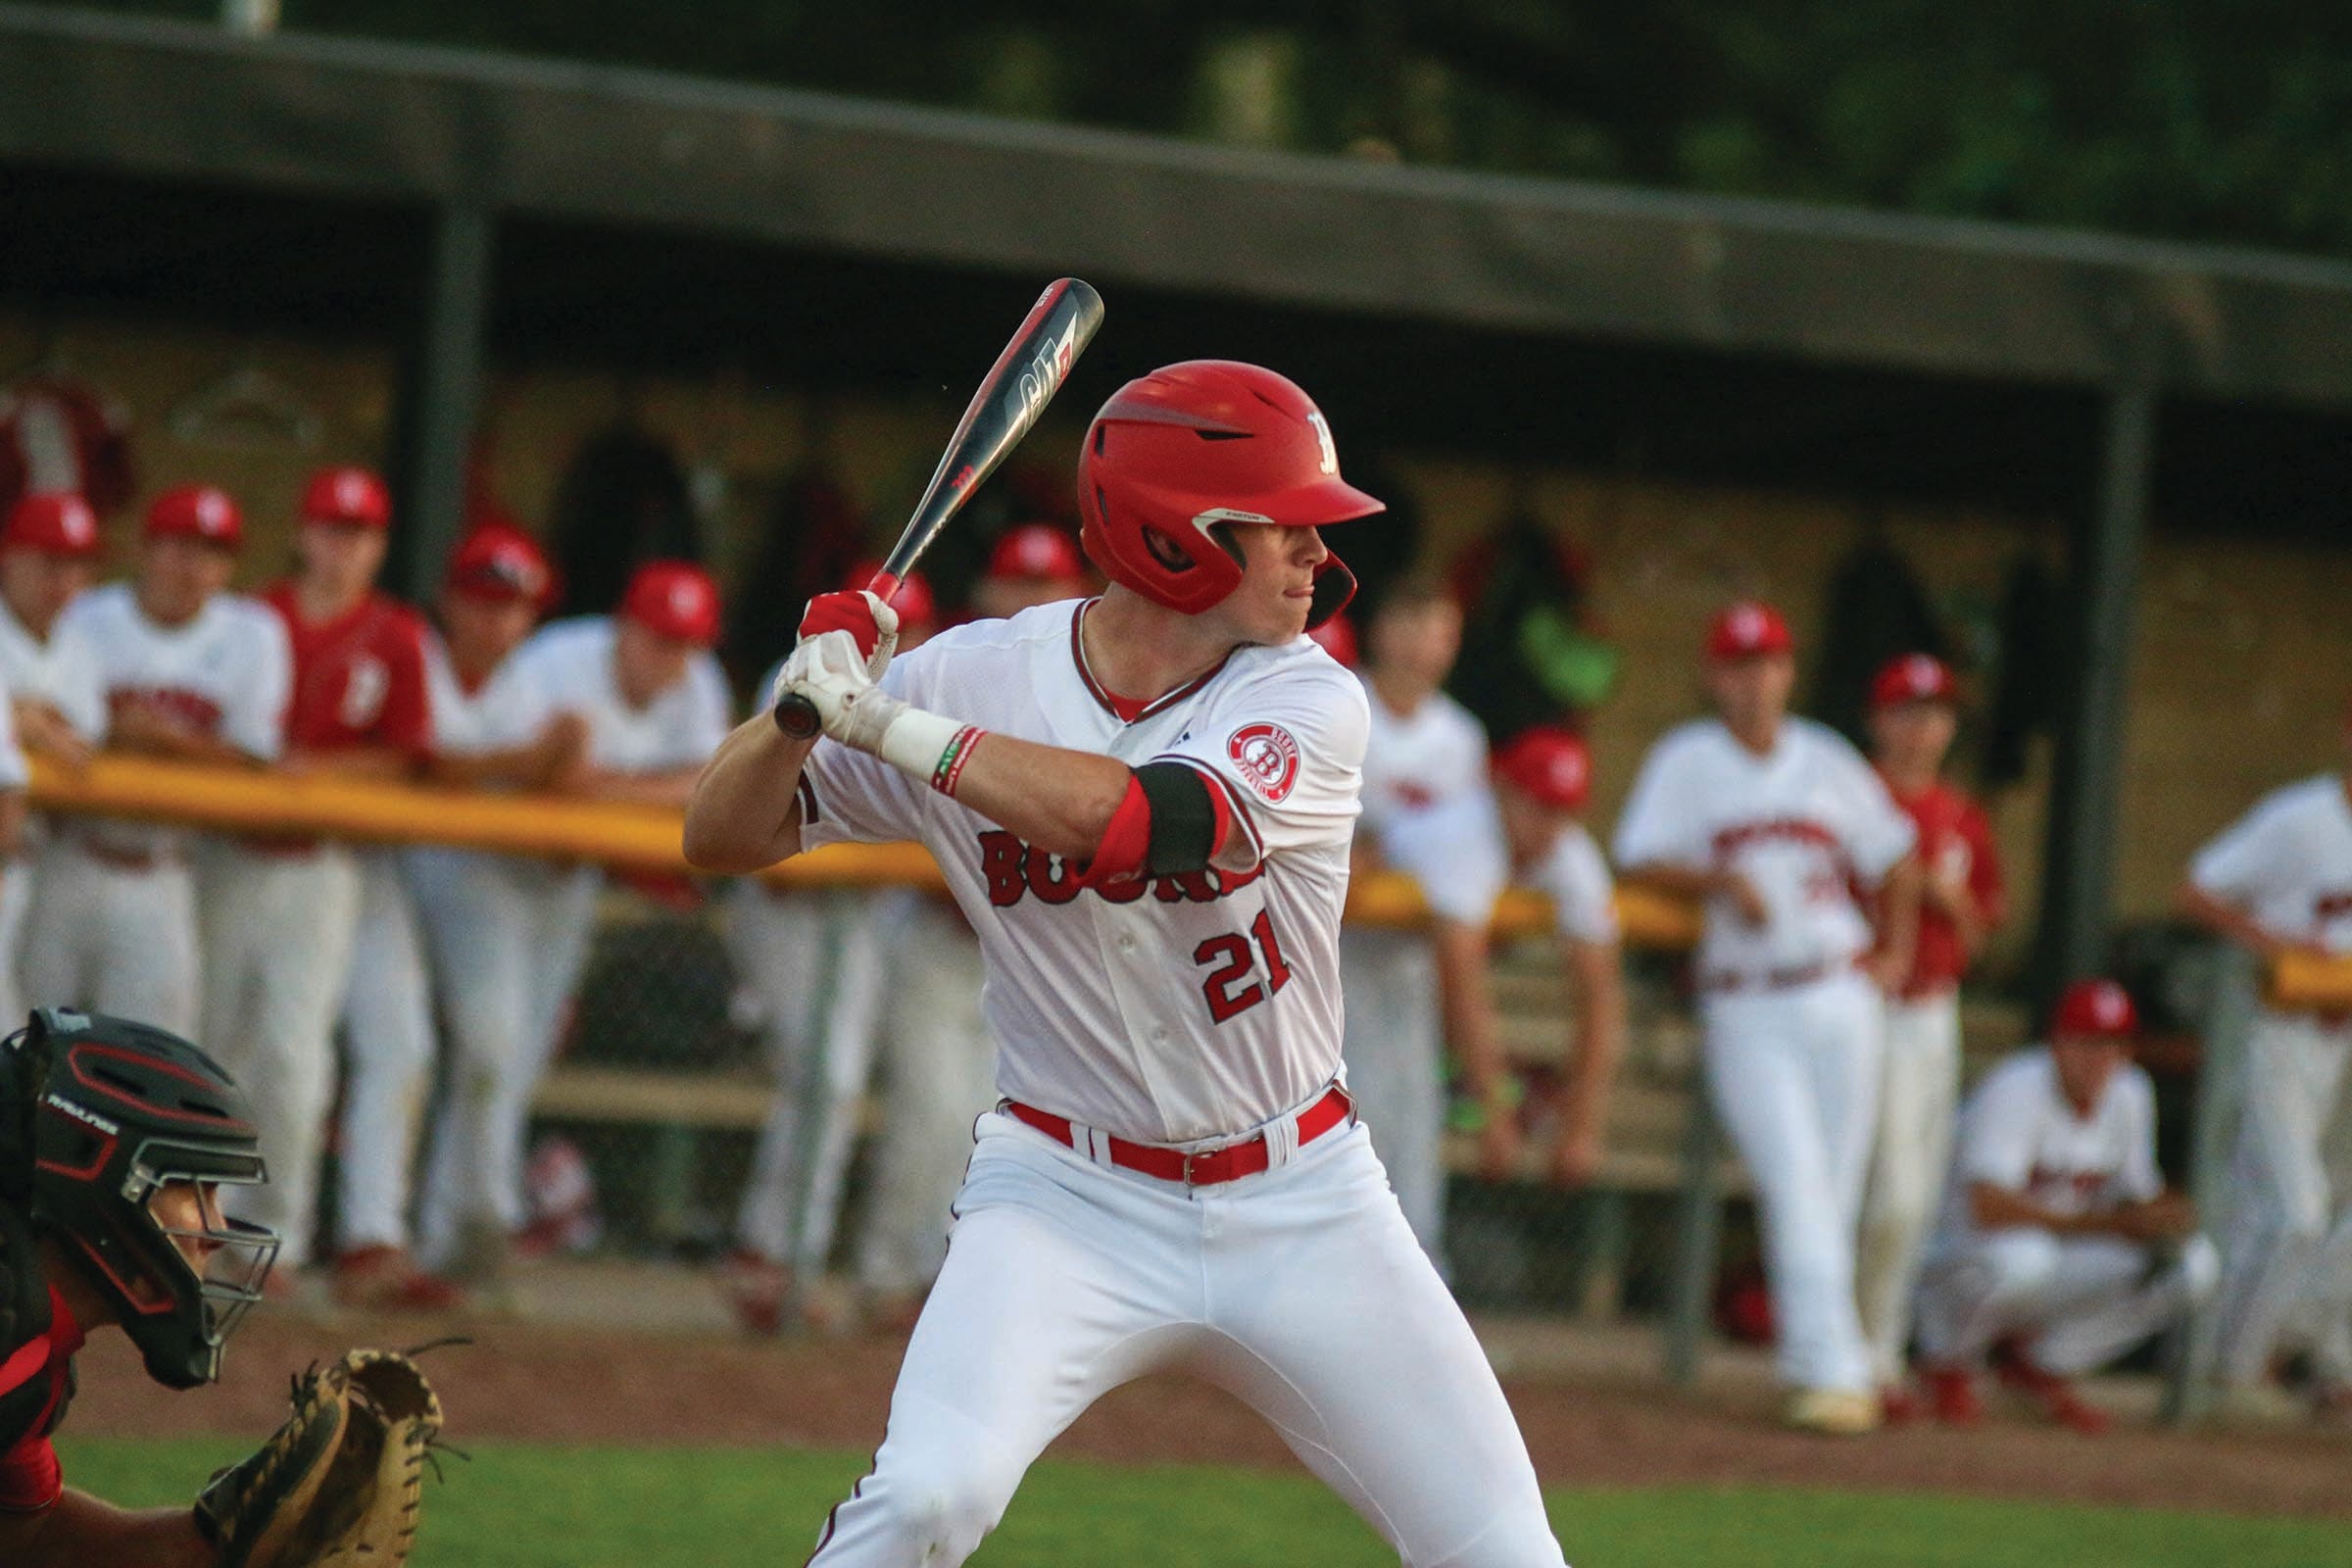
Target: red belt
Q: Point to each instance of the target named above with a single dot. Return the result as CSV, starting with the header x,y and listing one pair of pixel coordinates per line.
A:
x,y
116,858
1202,1169
1776,979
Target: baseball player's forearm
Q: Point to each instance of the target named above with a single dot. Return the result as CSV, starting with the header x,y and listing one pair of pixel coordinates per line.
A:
x,y
1467,1000
743,813
369,762
1690,882
82,1532
2228,920
2004,1209
1599,974
1059,800
1898,914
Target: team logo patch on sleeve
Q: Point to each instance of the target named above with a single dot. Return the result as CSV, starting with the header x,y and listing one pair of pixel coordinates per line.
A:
x,y
1268,759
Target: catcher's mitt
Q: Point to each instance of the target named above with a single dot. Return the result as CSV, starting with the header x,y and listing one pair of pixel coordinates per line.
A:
x,y
341,1481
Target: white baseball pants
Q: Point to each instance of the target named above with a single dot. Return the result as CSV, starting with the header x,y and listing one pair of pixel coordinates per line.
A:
x,y
1919,1090
1300,1291
15,898
276,934
1392,1041
508,938
2083,1301
2278,1260
112,940
1794,1077
389,1058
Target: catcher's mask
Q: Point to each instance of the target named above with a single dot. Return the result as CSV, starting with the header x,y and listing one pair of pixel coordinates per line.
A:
x,y
99,1115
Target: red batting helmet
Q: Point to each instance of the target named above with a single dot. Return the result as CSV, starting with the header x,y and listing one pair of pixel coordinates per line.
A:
x,y
348,496
1549,764
1175,453
2099,1009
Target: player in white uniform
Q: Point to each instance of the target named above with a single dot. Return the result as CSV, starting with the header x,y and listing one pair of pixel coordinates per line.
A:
x,y
1543,780
651,706
1773,822
848,980
1429,813
2279,879
1144,803
2059,1246
191,671
48,553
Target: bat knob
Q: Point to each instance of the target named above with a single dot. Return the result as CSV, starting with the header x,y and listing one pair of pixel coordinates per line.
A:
x,y
797,717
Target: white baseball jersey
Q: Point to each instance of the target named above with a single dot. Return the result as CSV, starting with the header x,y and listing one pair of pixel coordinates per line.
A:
x,y
62,671
1428,806
494,717
1803,824
2018,1132
13,773
567,667
2288,863
1575,877
1170,1009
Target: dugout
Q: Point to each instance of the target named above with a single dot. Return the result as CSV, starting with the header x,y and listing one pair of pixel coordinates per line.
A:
x,y
421,218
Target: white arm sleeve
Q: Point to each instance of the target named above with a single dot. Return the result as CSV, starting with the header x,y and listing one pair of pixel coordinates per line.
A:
x,y
1658,825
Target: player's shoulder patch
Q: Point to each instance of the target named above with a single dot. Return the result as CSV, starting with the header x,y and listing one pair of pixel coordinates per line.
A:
x,y
1267,754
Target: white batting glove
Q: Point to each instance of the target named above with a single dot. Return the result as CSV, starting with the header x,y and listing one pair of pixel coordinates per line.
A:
x,y
829,671
862,615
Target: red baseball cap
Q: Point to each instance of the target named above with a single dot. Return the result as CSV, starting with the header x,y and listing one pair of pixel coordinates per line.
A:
x,y
498,561
1914,678
347,496
674,598
58,524
197,512
1551,763
1747,629
1337,637
1037,550
2099,1009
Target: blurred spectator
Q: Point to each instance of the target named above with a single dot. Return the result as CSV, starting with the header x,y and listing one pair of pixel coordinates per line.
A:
x,y
2277,881
1033,564
1429,813
1543,780
359,711
898,974
650,707
48,553
2059,1247
1771,822
189,672
1914,713
1532,639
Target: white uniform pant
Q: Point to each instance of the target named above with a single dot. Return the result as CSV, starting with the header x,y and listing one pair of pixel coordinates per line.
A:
x,y
1918,1089
389,1058
2288,1251
508,938
2082,1300
113,940
845,978
1394,1046
1300,1291
276,933
15,898
1794,1077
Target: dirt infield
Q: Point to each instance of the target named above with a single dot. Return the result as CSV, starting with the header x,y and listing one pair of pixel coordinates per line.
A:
x,y
1588,1400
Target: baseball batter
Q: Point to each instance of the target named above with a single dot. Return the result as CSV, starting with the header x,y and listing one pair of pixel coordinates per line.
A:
x,y
1773,822
2058,1240
1428,812
48,550
649,705
1914,713
1143,803
187,670
2277,880
1543,781
359,711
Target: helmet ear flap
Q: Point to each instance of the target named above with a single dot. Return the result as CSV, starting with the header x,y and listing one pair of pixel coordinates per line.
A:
x,y
1334,589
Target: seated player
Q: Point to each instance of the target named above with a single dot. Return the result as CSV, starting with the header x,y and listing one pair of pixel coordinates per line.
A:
x,y
2060,1247
115,1140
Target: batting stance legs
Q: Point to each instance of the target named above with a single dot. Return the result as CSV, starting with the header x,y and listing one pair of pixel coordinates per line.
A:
x,y
1794,1076
1300,1291
1395,1068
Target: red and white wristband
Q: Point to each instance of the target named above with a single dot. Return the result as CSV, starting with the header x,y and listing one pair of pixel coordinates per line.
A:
x,y
929,746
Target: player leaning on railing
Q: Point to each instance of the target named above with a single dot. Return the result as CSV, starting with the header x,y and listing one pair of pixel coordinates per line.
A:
x,y
1144,803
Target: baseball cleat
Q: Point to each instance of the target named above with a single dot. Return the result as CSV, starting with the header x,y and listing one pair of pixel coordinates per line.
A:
x,y
757,1289
2056,1397
1952,1395
1899,1404
383,1279
1831,1412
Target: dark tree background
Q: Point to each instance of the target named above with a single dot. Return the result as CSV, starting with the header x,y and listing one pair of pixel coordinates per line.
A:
x,y
2228,120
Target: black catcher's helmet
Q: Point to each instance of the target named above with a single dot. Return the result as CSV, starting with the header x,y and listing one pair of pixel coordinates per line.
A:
x,y
96,1115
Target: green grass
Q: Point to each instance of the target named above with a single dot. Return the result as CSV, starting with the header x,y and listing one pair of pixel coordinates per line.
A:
x,y
541,1506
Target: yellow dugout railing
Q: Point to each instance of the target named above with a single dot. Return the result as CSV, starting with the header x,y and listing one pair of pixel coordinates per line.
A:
x,y
634,838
